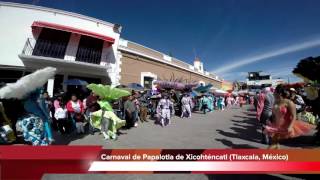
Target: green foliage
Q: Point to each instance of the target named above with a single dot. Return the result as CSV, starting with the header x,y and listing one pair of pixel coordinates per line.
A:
x,y
309,68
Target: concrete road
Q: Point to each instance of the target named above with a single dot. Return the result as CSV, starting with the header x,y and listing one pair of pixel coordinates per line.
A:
x,y
231,128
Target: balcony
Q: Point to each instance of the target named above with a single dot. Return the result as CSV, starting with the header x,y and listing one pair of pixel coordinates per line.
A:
x,y
41,53
47,48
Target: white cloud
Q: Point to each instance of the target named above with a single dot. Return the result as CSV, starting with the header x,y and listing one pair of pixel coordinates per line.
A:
x,y
285,50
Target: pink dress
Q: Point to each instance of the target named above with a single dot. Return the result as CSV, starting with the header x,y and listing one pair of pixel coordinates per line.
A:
x,y
281,126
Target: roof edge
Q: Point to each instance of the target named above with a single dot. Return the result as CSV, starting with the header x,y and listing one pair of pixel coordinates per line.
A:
x,y
41,8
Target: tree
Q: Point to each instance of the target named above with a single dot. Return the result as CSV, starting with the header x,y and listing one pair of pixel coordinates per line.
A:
x,y
309,69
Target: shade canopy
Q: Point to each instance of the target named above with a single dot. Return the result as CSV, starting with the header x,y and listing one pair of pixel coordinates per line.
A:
x,y
204,89
72,30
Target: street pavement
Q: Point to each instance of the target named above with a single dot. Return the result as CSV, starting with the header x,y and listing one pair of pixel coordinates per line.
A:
x,y
231,128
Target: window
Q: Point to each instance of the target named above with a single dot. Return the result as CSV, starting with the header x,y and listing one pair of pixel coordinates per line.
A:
x,y
89,50
147,82
51,43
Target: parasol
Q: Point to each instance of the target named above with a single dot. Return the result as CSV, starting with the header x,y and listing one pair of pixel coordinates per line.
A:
x,y
108,93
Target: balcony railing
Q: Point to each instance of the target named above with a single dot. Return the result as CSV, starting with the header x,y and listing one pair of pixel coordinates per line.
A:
x,y
46,48
88,55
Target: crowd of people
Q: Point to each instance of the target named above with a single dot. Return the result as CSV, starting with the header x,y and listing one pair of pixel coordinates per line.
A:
x,y
66,113
31,116
283,113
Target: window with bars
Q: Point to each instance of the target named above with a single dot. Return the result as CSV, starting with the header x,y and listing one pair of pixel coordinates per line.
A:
x,y
89,50
51,43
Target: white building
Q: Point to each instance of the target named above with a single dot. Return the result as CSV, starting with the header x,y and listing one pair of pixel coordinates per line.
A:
x,y
256,80
81,47
78,46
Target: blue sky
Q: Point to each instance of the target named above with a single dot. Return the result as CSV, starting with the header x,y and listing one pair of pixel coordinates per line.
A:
x,y
231,37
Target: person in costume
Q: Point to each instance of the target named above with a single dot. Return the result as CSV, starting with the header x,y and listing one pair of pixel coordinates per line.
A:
x,y
204,101
220,103
210,104
36,106
35,125
285,125
164,110
186,104
105,119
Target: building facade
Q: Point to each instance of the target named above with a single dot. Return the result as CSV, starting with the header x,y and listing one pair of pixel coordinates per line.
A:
x,y
82,47
78,46
256,80
143,65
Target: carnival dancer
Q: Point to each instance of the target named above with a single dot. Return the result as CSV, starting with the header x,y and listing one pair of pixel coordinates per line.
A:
x,y
186,104
165,109
35,126
211,103
204,101
236,102
105,119
220,103
229,102
285,124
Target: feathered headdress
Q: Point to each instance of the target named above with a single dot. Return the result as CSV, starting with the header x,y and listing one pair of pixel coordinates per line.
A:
x,y
27,84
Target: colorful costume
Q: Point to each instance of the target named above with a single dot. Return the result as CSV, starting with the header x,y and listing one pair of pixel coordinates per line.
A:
x,y
32,129
164,110
210,105
186,104
280,126
204,102
35,126
105,119
220,103
36,106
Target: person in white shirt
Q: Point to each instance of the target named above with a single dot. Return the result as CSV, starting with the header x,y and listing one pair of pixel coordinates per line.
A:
x,y
61,115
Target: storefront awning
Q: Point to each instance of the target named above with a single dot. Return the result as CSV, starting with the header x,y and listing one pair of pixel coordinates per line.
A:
x,y
72,30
